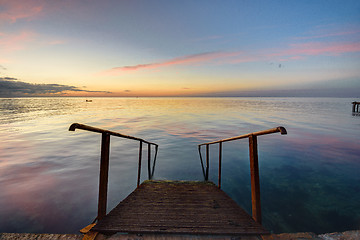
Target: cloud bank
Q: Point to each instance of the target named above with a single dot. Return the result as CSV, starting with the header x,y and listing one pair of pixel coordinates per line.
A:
x,y
11,87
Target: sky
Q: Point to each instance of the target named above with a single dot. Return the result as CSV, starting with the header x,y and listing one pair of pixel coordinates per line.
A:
x,y
179,48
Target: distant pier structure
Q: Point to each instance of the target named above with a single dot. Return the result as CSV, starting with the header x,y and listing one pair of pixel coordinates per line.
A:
x,y
355,107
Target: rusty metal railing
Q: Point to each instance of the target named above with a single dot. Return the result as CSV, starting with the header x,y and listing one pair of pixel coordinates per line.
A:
x,y
254,166
104,161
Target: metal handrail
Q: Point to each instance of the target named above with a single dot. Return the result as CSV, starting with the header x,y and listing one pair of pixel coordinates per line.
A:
x,y
104,161
254,168
280,129
99,130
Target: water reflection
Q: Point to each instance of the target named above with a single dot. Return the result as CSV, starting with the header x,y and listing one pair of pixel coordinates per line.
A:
x,y
49,176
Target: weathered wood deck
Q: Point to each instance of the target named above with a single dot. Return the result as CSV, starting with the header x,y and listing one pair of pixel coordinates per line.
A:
x,y
179,207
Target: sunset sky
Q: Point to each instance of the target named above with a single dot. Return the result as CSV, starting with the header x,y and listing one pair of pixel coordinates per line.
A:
x,y
179,48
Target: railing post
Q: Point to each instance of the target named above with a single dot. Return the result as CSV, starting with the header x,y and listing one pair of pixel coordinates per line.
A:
x,y
104,161
139,165
220,157
207,163
255,182
153,168
104,170
149,161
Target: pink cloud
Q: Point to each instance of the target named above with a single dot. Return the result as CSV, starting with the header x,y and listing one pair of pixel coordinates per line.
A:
x,y
332,31
13,42
330,34
3,60
15,10
185,60
19,41
295,51
328,47
298,51
320,48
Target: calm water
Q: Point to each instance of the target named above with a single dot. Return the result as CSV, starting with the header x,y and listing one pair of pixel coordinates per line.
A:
x,y
310,178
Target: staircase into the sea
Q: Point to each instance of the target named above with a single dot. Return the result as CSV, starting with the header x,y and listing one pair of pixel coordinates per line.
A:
x,y
177,209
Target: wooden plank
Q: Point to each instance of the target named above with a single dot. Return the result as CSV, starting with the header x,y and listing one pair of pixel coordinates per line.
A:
x,y
179,207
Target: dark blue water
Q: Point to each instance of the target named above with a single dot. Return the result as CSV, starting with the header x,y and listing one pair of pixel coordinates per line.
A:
x,y
310,178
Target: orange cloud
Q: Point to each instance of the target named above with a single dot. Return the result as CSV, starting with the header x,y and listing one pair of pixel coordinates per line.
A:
x,y
185,60
15,10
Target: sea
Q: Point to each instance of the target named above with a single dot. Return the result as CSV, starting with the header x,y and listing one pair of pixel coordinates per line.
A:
x,y
309,178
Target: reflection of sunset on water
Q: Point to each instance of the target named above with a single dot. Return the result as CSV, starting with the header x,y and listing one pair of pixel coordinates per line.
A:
x,y
47,171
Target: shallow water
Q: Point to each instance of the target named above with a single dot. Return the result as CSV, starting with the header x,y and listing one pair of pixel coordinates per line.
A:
x,y
310,178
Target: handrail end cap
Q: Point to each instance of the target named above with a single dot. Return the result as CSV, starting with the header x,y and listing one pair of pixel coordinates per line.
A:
x,y
282,130
73,126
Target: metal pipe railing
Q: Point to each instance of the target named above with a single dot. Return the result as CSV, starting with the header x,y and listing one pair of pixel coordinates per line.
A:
x,y
99,130
104,161
282,130
254,166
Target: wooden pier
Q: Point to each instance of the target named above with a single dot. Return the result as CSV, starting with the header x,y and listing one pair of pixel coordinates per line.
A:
x,y
355,107
178,209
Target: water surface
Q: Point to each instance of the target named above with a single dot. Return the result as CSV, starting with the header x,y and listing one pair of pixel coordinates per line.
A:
x,y
310,178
